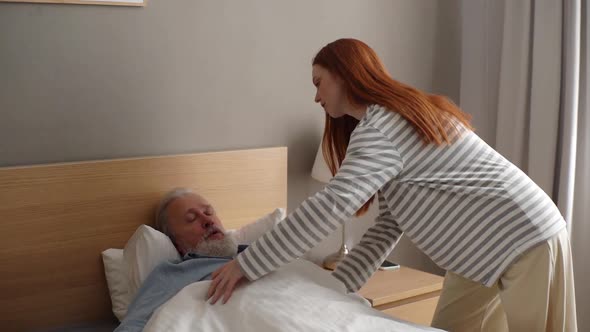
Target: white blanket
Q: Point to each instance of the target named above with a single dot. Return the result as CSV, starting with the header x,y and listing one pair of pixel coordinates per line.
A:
x,y
298,297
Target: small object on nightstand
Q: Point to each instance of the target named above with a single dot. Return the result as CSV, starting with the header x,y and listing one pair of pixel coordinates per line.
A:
x,y
388,266
404,293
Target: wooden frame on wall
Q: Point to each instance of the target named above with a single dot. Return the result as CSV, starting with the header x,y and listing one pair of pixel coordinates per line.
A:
x,y
133,3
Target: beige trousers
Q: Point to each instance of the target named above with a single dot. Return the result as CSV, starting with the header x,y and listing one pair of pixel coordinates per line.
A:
x,y
536,293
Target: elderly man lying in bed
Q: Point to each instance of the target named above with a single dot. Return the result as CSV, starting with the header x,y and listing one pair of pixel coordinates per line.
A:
x,y
194,228
300,296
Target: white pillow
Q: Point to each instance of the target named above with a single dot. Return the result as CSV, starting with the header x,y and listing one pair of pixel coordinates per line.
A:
x,y
115,270
252,231
148,247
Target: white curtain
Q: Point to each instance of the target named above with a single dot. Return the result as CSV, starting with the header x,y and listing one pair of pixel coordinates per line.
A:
x,y
524,78
581,204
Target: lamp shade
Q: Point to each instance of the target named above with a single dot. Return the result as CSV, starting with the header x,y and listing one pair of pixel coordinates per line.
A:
x,y
320,170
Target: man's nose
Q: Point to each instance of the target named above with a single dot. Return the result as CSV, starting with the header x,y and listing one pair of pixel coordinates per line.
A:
x,y
206,221
317,97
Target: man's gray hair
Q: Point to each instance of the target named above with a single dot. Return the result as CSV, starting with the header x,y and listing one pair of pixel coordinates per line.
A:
x,y
162,213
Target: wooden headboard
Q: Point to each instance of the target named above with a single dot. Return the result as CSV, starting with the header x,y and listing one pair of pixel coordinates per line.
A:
x,y
57,219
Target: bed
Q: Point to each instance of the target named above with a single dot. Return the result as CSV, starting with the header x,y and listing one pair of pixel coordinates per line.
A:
x,y
58,218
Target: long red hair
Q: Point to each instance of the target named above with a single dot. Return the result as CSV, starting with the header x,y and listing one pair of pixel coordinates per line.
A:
x,y
367,82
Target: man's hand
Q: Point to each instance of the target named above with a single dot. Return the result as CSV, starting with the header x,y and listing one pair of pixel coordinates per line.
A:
x,y
225,279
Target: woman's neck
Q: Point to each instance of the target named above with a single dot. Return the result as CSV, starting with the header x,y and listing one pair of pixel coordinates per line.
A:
x,y
357,112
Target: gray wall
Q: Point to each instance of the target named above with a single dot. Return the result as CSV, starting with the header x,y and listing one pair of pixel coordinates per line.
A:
x,y
93,82
481,42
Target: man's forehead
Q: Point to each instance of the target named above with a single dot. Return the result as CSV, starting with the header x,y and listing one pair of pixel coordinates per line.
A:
x,y
190,201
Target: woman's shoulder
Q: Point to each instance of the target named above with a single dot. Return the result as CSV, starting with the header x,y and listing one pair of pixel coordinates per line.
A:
x,y
379,116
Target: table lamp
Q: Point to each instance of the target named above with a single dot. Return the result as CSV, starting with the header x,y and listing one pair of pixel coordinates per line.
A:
x,y
321,172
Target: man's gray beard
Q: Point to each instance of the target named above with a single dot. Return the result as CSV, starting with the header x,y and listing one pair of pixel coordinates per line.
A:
x,y
226,247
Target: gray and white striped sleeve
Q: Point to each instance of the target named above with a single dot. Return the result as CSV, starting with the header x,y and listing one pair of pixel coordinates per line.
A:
x,y
375,245
371,161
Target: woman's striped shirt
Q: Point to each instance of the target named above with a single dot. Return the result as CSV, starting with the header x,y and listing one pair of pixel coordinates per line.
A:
x,y
464,205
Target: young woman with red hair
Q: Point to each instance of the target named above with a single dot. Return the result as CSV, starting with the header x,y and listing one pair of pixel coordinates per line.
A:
x,y
476,215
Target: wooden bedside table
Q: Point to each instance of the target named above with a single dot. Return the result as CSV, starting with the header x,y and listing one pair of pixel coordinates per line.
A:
x,y
404,293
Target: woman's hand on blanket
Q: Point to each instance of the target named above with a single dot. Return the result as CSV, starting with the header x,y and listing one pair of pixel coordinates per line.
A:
x,y
225,280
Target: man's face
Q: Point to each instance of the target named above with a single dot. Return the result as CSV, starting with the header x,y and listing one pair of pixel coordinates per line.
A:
x,y
192,221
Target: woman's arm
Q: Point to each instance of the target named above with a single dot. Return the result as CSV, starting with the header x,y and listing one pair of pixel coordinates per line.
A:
x,y
376,244
371,161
